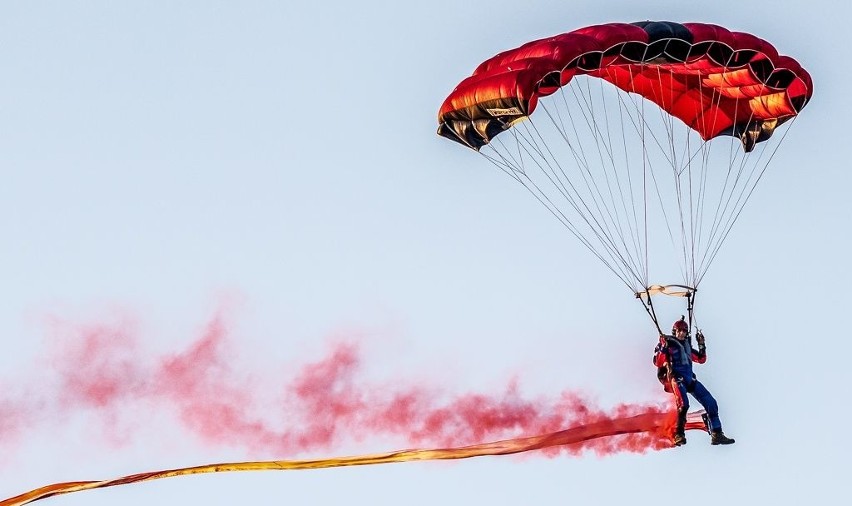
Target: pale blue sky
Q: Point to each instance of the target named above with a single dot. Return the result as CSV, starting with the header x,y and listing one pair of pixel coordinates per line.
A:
x,y
156,155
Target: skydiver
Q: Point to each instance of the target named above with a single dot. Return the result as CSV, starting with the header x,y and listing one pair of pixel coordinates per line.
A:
x,y
673,357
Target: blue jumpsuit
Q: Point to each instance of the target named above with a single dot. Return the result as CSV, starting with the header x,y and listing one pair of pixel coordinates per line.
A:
x,y
680,355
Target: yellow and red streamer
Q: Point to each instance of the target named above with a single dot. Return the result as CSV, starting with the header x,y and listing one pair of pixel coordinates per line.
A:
x,y
654,425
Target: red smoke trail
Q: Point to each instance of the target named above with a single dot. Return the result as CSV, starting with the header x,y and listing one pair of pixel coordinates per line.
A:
x,y
101,371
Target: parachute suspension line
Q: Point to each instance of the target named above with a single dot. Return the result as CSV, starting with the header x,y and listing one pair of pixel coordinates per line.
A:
x,y
554,178
590,182
698,212
645,188
669,155
702,197
684,168
591,189
640,247
644,237
642,127
504,165
694,180
657,191
690,263
697,176
640,123
606,142
640,235
611,220
601,226
667,121
720,211
705,149
748,196
691,179
514,168
639,127
591,122
608,130
562,131
690,186
724,220
581,160
745,170
634,227
586,105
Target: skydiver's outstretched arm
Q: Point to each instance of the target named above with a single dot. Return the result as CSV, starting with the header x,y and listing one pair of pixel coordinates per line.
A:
x,y
699,356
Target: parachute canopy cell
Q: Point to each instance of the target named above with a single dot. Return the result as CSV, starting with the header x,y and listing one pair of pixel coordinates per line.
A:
x,y
716,81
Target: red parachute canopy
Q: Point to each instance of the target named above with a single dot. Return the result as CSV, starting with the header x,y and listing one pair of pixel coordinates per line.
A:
x,y
637,149
716,81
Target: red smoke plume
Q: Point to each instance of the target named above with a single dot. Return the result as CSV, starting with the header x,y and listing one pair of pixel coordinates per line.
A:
x,y
100,369
104,372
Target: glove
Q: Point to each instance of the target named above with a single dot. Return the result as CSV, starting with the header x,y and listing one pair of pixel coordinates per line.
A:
x,y
700,338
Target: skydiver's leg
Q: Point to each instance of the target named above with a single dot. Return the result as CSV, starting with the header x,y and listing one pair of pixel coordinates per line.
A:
x,y
682,401
706,399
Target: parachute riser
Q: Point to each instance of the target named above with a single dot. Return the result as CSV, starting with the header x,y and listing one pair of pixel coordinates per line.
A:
x,y
645,296
649,308
690,304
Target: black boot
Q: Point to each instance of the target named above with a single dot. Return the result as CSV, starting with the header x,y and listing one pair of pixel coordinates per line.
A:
x,y
717,437
679,438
